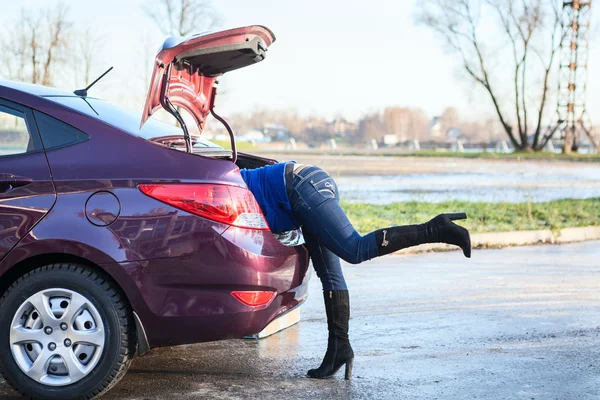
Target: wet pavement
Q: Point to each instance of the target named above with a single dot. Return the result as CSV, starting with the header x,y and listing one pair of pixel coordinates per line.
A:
x,y
519,323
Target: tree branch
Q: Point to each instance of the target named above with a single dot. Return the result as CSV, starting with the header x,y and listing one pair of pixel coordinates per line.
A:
x,y
56,26
517,60
548,67
486,78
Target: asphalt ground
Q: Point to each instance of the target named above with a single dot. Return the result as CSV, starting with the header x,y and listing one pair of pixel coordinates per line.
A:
x,y
517,323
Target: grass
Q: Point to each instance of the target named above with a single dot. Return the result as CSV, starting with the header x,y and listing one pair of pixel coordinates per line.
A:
x,y
483,217
240,145
510,156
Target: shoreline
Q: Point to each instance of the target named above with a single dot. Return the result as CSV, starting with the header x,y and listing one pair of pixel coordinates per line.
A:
x,y
424,154
498,240
375,164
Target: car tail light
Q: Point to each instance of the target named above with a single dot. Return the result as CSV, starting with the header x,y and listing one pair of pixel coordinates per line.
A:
x,y
231,205
254,297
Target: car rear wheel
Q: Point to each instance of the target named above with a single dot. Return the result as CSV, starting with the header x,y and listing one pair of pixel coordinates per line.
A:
x,y
65,332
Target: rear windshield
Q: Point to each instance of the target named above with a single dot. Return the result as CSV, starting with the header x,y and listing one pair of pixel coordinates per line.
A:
x,y
125,119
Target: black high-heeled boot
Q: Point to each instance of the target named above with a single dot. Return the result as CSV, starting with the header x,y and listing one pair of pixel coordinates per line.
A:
x,y
440,229
339,352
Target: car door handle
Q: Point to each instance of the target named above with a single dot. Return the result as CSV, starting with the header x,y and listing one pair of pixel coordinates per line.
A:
x,y
9,182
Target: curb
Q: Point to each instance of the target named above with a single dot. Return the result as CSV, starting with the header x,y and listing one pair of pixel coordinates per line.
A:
x,y
516,238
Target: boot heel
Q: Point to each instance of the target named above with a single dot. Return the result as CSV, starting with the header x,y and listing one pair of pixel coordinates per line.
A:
x,y
456,216
349,364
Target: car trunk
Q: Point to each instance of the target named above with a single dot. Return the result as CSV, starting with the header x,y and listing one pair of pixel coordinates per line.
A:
x,y
244,160
200,146
185,78
250,161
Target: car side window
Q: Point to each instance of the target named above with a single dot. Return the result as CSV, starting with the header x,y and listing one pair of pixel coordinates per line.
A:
x,y
15,137
56,134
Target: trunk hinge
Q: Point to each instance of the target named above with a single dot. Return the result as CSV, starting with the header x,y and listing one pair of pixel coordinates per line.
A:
x,y
175,112
225,124
186,135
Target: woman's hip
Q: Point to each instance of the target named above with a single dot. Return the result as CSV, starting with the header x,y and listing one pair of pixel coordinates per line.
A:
x,y
313,186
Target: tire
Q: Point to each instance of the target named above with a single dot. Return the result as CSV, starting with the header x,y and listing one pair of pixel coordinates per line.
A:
x,y
25,337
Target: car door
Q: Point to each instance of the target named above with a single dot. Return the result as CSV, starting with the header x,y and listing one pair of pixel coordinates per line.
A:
x,y
26,188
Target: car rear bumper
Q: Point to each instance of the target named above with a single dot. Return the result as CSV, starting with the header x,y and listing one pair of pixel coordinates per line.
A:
x,y
187,299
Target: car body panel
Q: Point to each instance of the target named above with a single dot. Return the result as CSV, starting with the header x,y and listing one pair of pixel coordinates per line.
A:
x,y
24,206
176,269
192,296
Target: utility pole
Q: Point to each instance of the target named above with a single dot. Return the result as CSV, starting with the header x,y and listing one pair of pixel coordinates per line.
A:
x,y
572,117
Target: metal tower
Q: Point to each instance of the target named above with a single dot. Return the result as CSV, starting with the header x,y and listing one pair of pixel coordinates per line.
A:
x,y
572,117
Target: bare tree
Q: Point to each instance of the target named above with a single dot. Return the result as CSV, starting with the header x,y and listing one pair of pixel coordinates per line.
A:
x,y
394,119
88,45
449,119
182,17
406,123
36,44
371,126
13,49
531,31
56,28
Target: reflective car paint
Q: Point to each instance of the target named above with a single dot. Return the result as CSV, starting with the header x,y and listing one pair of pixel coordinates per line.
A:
x,y
23,207
175,268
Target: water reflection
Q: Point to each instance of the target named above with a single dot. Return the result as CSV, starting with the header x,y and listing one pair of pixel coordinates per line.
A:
x,y
283,344
534,185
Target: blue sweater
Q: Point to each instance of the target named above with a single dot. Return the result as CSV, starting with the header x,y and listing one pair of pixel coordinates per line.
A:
x,y
267,184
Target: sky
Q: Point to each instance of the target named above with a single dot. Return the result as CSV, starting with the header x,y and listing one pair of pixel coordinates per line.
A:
x,y
331,58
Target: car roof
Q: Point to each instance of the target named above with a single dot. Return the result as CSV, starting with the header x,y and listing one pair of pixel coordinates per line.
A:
x,y
110,113
36,90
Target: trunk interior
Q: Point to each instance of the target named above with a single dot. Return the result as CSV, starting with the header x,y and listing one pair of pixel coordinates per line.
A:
x,y
250,161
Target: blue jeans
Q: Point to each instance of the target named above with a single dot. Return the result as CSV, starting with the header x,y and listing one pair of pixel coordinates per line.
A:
x,y
328,233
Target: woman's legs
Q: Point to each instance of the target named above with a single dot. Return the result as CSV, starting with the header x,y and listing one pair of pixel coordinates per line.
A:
x,y
339,352
337,307
315,201
326,264
335,292
440,229
328,232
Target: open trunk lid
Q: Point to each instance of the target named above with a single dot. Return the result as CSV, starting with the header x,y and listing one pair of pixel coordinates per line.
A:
x,y
185,69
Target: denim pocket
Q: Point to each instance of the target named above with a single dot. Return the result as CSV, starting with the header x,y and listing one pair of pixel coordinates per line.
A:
x,y
325,187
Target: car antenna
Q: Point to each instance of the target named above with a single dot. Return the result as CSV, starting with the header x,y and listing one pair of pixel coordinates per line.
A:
x,y
83,92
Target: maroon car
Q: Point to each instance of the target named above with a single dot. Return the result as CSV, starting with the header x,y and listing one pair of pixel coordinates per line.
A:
x,y
117,238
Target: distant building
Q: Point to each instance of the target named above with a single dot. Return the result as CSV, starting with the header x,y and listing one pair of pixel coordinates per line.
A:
x,y
276,132
253,136
341,127
453,134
